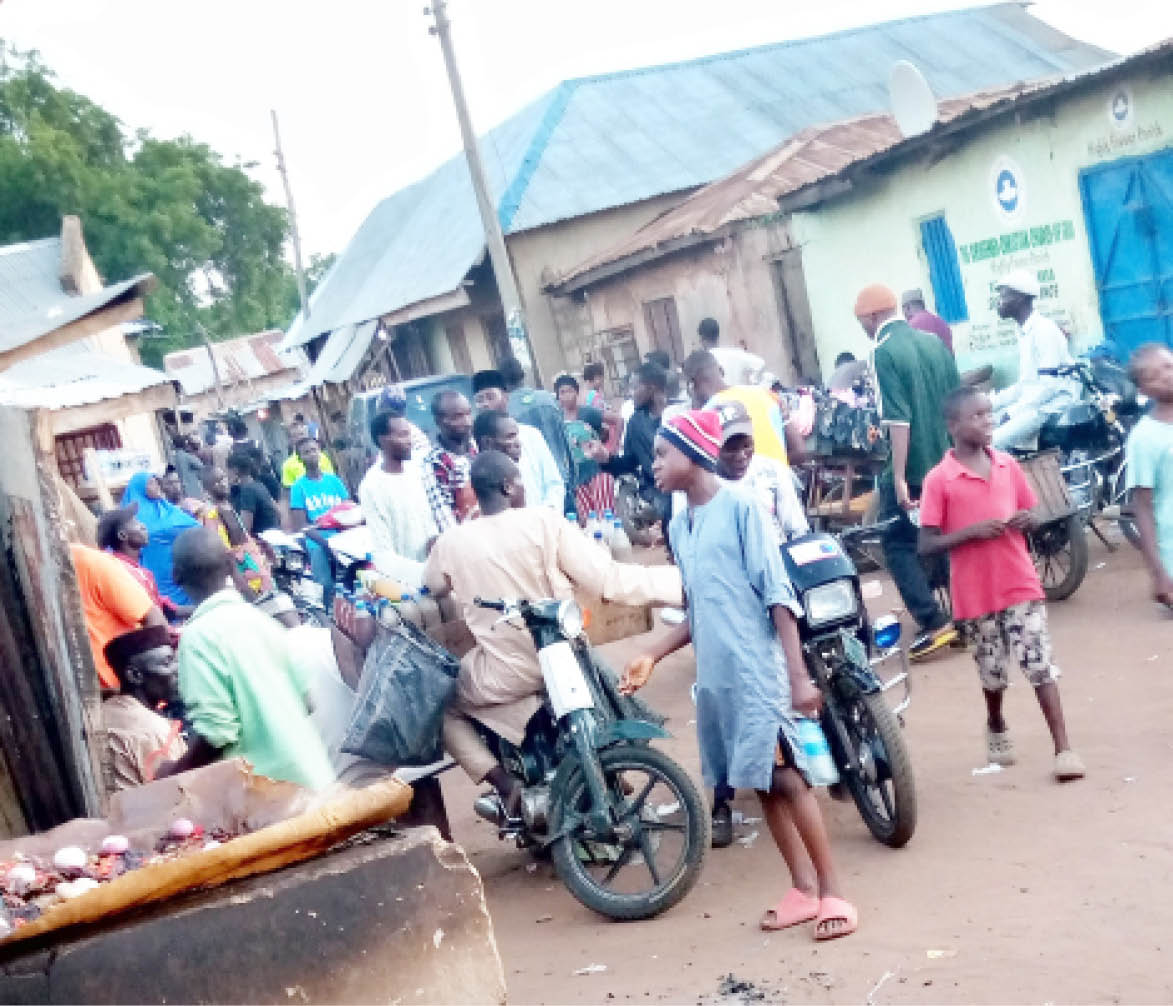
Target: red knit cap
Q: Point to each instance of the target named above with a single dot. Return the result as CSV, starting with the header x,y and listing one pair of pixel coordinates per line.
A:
x,y
874,299
697,434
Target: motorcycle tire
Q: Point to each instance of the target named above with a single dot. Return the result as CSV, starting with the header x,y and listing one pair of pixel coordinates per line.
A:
x,y
897,828
1127,523
668,892
1067,535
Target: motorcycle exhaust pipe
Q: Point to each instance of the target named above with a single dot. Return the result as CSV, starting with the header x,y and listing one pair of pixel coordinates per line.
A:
x,y
535,807
489,807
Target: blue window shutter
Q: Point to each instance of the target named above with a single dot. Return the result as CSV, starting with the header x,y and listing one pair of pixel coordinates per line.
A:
x,y
944,269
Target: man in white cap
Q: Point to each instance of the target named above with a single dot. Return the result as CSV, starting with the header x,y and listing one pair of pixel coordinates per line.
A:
x,y
1042,348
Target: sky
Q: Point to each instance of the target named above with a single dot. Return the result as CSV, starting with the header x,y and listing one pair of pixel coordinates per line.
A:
x,y
359,85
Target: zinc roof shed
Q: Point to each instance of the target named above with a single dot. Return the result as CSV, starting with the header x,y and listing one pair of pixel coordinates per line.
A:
x,y
597,143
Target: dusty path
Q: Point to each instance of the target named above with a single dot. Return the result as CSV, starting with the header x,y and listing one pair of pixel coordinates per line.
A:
x,y
1014,889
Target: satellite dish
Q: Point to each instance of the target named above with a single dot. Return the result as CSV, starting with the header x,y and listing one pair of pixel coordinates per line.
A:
x,y
913,104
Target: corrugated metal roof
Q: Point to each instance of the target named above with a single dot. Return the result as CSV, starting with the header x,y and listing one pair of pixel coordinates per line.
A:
x,y
243,359
814,154
74,375
343,351
606,141
32,302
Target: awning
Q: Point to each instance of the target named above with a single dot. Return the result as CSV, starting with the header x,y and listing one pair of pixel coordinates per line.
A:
x,y
345,349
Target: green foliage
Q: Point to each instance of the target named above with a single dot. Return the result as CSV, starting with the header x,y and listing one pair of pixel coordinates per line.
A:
x,y
170,207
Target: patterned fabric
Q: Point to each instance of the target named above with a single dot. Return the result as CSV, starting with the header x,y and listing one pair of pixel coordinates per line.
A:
x,y
598,494
1020,632
449,488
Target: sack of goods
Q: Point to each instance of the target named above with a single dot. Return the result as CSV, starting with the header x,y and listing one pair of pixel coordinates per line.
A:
x,y
407,681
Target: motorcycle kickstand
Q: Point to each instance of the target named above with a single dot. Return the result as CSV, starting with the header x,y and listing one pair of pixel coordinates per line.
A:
x,y
1110,546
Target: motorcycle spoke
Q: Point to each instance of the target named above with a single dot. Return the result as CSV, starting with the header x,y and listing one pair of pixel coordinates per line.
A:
x,y
887,800
619,864
661,826
649,853
636,805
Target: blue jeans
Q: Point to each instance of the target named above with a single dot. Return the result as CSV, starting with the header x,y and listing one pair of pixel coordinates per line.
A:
x,y
322,571
915,578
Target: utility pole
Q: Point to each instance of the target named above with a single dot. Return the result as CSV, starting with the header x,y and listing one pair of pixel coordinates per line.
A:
x,y
203,334
296,238
494,238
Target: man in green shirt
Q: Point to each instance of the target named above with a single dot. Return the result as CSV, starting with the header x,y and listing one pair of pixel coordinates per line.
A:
x,y
914,373
244,695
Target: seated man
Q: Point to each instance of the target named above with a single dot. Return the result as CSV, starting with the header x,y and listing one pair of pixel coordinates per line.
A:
x,y
509,552
138,739
1022,408
312,496
244,694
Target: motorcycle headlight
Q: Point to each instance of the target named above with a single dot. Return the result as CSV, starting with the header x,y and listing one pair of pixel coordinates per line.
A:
x,y
830,602
570,620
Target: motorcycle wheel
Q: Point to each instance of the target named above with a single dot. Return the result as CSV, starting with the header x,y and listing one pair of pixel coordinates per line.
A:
x,y
1126,521
1060,555
884,790
626,879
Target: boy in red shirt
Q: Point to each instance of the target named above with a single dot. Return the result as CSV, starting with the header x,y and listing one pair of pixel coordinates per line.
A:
x,y
976,504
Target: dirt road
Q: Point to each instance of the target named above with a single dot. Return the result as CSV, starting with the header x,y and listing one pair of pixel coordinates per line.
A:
x,y
1014,888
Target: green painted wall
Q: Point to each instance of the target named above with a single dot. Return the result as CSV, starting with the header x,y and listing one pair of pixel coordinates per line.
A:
x,y
873,235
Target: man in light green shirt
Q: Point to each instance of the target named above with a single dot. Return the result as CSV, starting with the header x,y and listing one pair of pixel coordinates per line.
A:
x,y
244,695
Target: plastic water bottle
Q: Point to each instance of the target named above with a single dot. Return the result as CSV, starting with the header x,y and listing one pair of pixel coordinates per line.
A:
x,y
364,624
819,763
620,543
572,518
600,541
592,524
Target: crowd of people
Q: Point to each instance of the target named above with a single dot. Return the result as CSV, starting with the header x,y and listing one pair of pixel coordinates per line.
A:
x,y
492,506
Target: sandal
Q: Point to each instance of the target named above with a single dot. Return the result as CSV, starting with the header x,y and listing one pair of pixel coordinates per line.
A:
x,y
794,909
832,909
1069,766
999,747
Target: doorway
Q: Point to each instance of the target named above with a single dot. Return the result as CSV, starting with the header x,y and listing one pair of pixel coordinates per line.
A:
x,y
1128,206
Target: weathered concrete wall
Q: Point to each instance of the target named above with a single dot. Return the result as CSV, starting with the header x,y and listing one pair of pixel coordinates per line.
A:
x,y
731,280
397,920
538,254
873,235
51,735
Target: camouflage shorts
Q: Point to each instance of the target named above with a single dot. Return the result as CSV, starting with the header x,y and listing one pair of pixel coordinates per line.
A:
x,y
1019,631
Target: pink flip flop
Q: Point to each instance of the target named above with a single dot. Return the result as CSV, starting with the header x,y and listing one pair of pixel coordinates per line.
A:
x,y
832,909
794,909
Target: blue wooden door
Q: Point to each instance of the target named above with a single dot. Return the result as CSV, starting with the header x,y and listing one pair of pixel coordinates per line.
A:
x,y
1128,206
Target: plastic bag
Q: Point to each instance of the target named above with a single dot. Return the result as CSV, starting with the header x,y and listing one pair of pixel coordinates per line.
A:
x,y
407,680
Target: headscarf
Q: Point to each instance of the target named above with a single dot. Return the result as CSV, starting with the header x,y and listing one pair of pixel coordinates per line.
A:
x,y
164,522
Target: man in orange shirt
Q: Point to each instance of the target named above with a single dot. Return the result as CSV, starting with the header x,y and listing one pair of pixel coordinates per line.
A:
x,y
113,602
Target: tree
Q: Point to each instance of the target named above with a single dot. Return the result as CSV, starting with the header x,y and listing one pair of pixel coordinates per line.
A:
x,y
170,207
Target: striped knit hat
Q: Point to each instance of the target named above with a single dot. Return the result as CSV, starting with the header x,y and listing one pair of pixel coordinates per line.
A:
x,y
697,435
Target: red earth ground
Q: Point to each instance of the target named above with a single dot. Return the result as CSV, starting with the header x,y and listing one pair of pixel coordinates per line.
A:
x,y
1014,888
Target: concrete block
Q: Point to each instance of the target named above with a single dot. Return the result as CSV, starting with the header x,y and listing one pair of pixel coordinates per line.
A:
x,y
386,918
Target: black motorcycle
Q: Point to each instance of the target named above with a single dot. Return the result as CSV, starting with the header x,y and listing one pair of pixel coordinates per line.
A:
x,y
1089,435
625,825
844,654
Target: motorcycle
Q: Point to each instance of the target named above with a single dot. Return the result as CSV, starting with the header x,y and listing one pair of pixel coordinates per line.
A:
x,y
291,575
1089,434
845,656
624,824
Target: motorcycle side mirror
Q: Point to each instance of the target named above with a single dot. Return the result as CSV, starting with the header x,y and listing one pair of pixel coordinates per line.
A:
x,y
672,616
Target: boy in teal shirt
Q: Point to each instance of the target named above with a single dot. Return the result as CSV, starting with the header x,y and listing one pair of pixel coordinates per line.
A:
x,y
1150,466
312,496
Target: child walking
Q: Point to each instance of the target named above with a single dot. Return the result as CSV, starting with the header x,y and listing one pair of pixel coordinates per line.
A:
x,y
752,684
1150,465
976,504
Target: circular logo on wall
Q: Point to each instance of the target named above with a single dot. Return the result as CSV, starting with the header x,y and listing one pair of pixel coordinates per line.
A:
x,y
1008,188
1120,107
